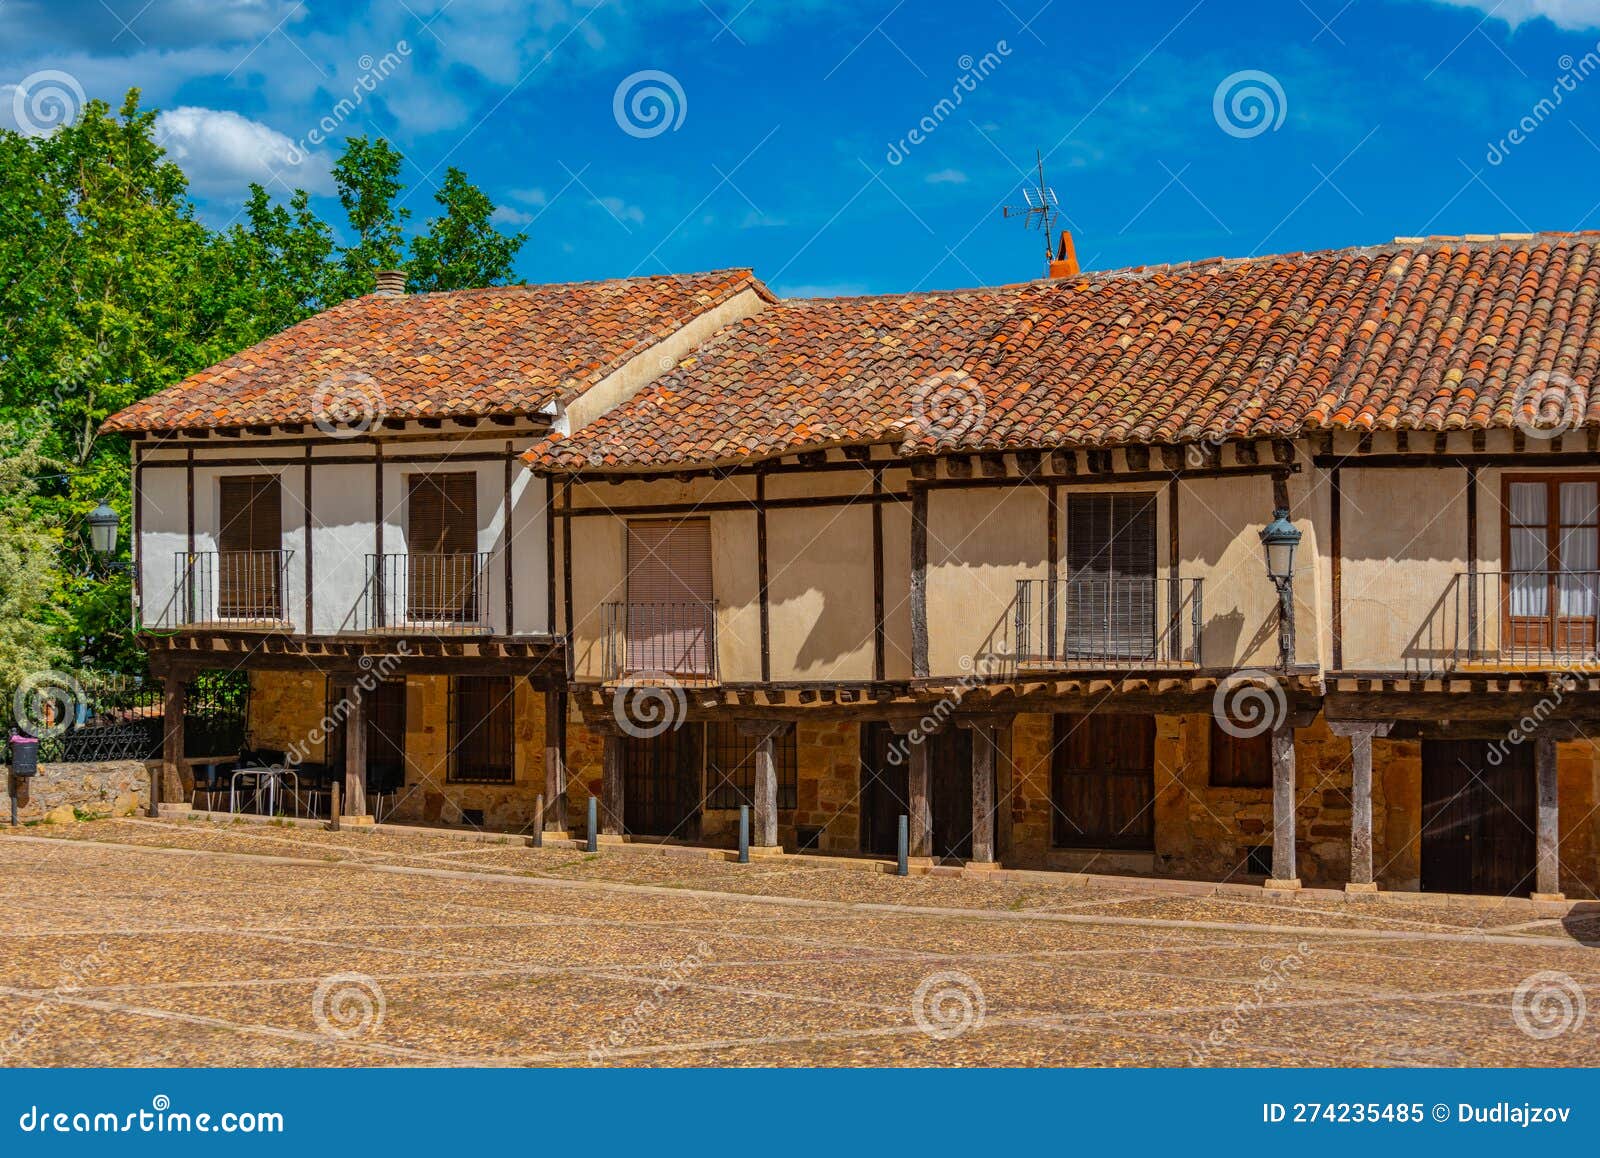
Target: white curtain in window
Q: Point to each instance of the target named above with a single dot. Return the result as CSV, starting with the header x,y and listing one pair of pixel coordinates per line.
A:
x,y
1580,506
1530,548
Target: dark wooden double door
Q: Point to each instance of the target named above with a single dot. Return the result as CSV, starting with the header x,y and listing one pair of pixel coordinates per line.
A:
x,y
1478,818
383,708
885,790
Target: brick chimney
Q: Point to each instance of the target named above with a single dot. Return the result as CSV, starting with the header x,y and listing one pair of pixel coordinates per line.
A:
x,y
391,282
1065,263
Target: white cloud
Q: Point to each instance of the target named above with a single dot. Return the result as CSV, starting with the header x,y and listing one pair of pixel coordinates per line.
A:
x,y
506,215
946,177
222,152
620,209
1568,14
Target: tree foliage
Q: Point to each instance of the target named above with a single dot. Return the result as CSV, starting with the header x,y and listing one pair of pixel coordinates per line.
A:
x,y
111,288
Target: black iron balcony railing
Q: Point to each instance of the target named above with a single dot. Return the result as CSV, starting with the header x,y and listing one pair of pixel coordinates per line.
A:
x,y
667,639
1514,619
226,589
1102,622
443,594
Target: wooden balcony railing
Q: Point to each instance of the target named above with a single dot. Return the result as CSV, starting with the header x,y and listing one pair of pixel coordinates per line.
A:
x,y
667,639
1520,619
1101,622
438,594
226,589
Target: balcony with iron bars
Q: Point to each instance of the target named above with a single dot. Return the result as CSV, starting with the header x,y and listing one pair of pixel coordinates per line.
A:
x,y
1514,620
654,640
432,594
1104,623
227,590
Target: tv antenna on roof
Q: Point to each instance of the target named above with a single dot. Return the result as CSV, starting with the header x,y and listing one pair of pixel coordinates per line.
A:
x,y
1040,207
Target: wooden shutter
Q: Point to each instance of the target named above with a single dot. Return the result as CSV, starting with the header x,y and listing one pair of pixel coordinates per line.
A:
x,y
249,546
1110,598
441,547
1240,761
669,622
1102,769
442,514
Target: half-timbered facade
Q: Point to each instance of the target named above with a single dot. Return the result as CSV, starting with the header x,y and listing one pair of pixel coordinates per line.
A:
x,y
342,511
992,561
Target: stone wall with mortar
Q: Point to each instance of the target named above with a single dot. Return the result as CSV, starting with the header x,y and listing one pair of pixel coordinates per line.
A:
x,y
110,788
430,797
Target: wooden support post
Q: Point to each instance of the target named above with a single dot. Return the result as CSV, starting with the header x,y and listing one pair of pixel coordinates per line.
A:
x,y
919,597
920,805
1283,808
355,752
611,785
765,734
168,783
983,754
1361,735
555,761
334,806
1547,878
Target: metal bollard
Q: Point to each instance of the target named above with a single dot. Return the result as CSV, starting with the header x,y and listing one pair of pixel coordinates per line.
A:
x,y
744,834
903,865
538,821
594,825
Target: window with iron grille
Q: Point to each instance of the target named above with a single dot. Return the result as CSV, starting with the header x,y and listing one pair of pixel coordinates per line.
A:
x,y
482,744
731,766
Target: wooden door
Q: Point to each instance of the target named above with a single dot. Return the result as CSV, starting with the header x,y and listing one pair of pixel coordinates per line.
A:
x,y
669,622
661,783
385,712
1108,605
250,548
950,792
441,547
1478,819
1552,591
1103,781
885,794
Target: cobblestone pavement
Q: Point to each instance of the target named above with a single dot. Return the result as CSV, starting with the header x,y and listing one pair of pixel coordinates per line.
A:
x,y
184,943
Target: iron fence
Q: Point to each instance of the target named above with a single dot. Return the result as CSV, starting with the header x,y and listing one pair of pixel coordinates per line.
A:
x,y
1514,619
441,594
1106,622
676,639
226,589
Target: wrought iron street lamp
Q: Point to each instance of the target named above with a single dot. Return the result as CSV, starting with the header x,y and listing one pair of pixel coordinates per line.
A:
x,y
1279,539
103,530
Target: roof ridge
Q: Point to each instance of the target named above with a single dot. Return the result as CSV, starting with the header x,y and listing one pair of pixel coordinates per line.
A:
x,y
535,286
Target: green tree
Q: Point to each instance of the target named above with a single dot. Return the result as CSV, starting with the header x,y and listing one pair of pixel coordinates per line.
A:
x,y
289,251
29,567
367,175
462,249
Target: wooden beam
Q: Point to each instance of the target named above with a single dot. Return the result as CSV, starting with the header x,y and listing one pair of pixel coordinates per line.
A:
x,y
919,582
761,578
506,531
983,792
1360,736
1283,807
311,583
878,626
1336,566
919,801
169,779
555,760
611,784
355,751
1547,832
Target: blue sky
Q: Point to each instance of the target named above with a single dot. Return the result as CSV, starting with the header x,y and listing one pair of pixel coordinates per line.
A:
x,y
787,140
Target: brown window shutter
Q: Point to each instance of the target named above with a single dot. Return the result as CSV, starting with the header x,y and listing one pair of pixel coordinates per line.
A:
x,y
442,514
1111,560
251,514
669,626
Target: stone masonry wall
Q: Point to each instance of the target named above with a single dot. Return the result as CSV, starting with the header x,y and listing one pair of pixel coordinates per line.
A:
x,y
59,791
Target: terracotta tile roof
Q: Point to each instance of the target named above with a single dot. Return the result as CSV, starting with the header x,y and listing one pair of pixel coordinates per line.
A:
x,y
501,350
1419,334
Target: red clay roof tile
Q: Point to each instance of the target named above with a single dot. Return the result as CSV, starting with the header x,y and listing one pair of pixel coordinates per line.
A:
x,y
482,352
1442,334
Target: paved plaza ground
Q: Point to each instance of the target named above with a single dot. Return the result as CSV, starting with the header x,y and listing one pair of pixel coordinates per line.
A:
x,y
137,942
